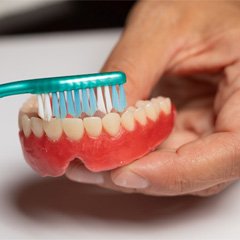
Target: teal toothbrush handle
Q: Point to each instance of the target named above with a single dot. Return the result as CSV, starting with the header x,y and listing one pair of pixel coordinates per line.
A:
x,y
15,88
60,84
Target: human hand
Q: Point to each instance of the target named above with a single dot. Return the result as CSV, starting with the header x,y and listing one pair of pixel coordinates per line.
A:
x,y
190,52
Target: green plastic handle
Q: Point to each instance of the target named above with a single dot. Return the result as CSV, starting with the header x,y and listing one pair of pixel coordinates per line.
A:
x,y
64,83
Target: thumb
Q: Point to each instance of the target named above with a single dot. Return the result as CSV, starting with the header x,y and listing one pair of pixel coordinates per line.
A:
x,y
141,55
194,167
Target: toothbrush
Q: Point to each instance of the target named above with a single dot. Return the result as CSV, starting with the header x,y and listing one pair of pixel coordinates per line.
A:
x,y
74,95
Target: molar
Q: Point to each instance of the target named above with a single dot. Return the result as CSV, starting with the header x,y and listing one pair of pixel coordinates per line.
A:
x,y
156,105
37,127
131,109
151,112
165,105
141,103
53,129
93,126
20,121
73,128
111,123
140,116
127,120
26,125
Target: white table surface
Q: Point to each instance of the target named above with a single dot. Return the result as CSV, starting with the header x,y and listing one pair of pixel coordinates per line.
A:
x,y
32,207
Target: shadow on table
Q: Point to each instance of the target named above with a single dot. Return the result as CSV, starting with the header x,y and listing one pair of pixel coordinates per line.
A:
x,y
39,198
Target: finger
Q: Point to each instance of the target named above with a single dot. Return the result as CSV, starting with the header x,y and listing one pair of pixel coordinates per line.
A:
x,y
193,167
77,172
141,53
213,190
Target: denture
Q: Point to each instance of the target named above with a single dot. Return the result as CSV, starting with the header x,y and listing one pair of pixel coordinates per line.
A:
x,y
101,142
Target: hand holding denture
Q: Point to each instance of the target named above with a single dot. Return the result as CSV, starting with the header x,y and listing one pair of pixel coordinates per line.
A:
x,y
191,49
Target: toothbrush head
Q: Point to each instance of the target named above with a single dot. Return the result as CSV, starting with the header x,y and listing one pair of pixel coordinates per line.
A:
x,y
74,95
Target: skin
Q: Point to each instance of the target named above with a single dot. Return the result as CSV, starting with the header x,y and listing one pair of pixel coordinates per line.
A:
x,y
189,51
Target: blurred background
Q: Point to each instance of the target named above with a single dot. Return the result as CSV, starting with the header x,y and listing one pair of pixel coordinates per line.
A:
x,y
34,16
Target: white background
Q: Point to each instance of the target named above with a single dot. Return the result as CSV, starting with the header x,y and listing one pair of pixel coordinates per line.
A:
x,y
32,207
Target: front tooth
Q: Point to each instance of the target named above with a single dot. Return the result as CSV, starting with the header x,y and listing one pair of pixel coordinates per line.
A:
x,y
140,116
141,103
93,126
127,120
165,105
73,128
53,129
26,125
151,112
37,126
111,123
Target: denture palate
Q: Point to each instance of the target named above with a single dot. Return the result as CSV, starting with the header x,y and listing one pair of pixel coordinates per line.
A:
x,y
75,128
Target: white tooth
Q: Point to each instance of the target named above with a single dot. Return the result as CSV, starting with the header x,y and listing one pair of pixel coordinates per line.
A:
x,y
141,103
140,116
131,109
73,128
26,125
93,126
53,129
127,120
37,126
111,123
156,105
151,112
165,105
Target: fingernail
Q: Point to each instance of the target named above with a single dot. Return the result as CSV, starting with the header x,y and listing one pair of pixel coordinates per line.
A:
x,y
130,180
81,174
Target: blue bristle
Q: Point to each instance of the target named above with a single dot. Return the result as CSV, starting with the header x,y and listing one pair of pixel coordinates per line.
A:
x,y
55,105
85,103
115,99
123,102
63,109
93,102
77,100
70,104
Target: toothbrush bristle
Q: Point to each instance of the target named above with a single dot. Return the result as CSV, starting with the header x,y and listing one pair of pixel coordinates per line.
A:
x,y
108,99
70,103
40,106
47,107
85,102
115,99
93,101
63,108
122,98
100,100
76,102
55,105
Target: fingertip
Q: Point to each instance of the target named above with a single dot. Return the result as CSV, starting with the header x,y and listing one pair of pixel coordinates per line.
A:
x,y
78,173
128,179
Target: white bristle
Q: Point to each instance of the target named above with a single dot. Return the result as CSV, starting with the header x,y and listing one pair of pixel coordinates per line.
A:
x,y
108,99
40,106
100,101
47,108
